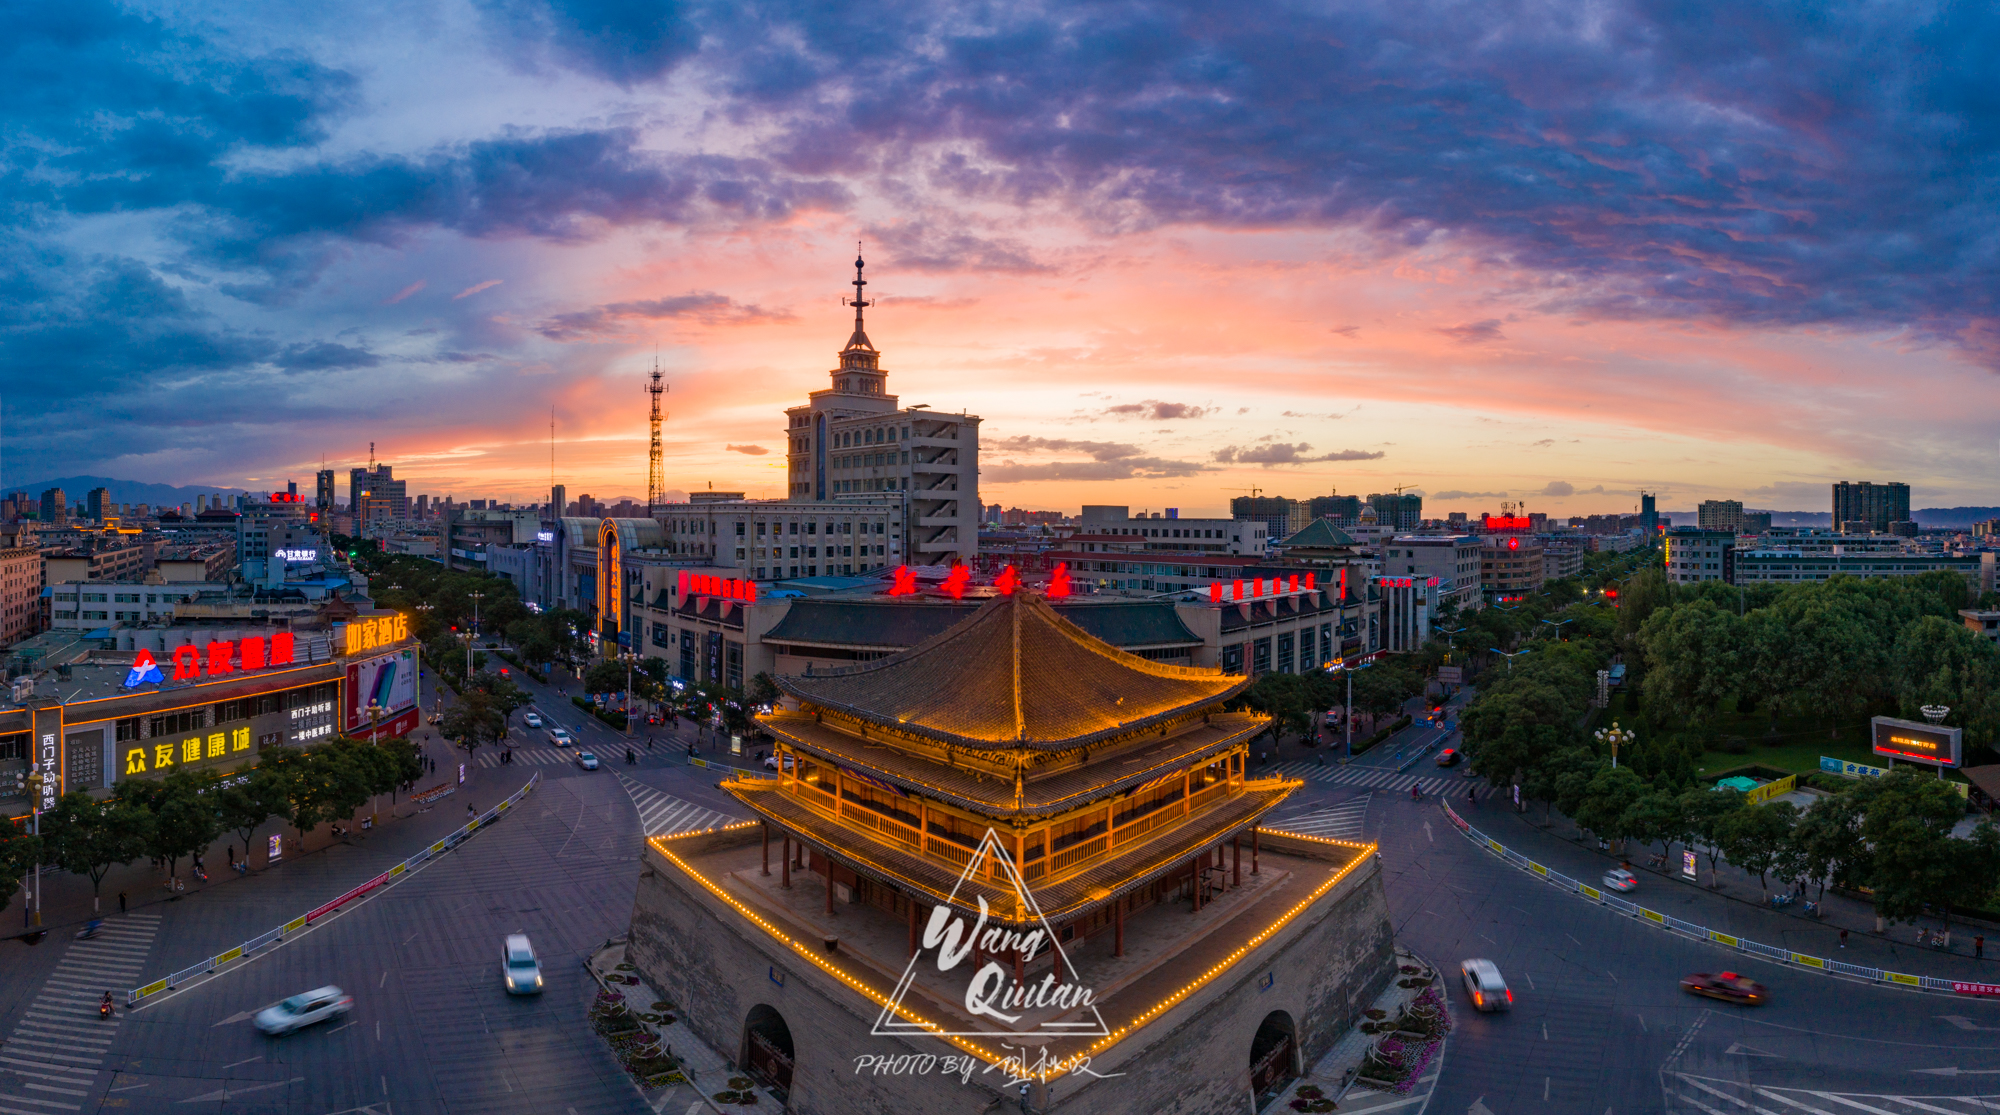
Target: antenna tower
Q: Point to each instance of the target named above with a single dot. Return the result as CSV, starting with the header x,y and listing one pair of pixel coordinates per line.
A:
x,y
656,479
371,456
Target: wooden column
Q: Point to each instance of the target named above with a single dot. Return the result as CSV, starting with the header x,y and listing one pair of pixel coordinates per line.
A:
x,y
1196,877
913,926
785,876
829,888
1118,928
1253,851
1236,842
766,825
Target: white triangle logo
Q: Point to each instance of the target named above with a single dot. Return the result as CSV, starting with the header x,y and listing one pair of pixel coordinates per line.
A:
x,y
948,940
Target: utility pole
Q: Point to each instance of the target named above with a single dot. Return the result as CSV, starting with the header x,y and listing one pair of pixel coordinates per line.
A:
x,y
656,479
473,635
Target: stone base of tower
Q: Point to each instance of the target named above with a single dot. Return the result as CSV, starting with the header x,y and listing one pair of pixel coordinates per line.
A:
x,y
723,940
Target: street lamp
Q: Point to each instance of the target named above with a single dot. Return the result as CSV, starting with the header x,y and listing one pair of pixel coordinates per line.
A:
x,y
1510,657
1347,722
473,634
1614,735
36,780
1557,624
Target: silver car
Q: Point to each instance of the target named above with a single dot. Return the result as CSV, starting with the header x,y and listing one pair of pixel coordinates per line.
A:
x,y
1484,986
519,967
304,1010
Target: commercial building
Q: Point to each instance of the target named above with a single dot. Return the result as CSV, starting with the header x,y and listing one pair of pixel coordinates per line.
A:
x,y
55,507
85,606
853,439
1281,517
1511,565
1869,506
228,689
1014,771
1720,514
1694,555
1649,514
115,557
1791,566
468,533
1562,554
1112,528
1449,564
379,500
20,594
1338,509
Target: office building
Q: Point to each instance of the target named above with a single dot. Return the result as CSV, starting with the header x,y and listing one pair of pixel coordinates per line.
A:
x,y
1860,506
20,594
853,439
1275,512
1792,566
97,503
1342,510
380,501
1694,555
55,507
1112,529
1511,565
558,501
1720,514
1450,564
1649,515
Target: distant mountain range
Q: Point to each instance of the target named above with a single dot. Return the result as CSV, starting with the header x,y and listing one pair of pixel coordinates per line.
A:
x,y
121,491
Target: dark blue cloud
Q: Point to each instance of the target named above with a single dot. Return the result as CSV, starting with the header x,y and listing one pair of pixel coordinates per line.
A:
x,y
624,42
1764,163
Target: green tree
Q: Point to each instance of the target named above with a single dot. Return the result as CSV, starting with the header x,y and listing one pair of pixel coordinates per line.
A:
x,y
1826,844
604,677
1755,837
1693,658
19,852
1708,812
474,721
1658,818
1608,801
243,808
1907,820
87,837
185,819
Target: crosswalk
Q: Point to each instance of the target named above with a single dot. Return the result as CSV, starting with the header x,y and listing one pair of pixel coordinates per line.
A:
x,y
536,756
1341,822
1710,1095
1374,778
663,814
53,1057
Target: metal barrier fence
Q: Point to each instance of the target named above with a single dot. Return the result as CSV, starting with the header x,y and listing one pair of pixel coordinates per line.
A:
x,y
277,935
1753,948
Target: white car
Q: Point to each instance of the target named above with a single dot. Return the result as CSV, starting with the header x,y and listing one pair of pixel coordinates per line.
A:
x,y
586,760
771,762
1620,880
532,719
518,966
1484,986
560,738
304,1010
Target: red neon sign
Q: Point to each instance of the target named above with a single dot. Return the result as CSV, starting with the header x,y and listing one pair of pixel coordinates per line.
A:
x,y
227,658
955,583
1500,524
1007,581
1059,581
708,584
287,497
905,583
1513,543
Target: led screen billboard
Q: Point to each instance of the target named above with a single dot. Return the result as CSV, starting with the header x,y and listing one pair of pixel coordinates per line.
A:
x,y
389,680
1913,742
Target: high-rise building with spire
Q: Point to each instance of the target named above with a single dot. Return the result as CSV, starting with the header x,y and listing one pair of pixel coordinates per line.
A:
x,y
854,439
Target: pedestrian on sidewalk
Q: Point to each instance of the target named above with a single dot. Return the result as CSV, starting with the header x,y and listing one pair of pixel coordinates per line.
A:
x,y
1979,946
1843,938
121,901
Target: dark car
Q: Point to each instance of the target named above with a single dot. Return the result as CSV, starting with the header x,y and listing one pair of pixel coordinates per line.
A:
x,y
1727,986
1449,757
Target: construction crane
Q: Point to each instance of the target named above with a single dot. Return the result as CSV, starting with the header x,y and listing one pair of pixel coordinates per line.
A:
x,y
1254,492
656,478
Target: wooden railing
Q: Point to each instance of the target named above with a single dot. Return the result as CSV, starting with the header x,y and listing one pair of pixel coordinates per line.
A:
x,y
889,827
1146,824
951,853
1076,853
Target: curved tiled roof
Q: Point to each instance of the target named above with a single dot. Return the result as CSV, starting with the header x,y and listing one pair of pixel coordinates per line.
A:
x,y
1014,674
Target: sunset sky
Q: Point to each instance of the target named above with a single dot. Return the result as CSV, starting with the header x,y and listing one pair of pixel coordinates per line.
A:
x,y
1545,253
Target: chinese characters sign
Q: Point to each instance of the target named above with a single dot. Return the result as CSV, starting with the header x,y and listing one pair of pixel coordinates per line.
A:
x,y
191,663
158,755
367,633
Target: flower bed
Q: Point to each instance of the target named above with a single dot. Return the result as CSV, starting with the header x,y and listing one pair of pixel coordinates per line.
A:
x,y
1400,1059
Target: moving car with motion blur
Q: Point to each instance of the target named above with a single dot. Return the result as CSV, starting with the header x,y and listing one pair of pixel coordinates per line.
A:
x,y
532,719
560,737
1449,757
1484,986
303,1010
1726,986
586,760
1620,880
518,966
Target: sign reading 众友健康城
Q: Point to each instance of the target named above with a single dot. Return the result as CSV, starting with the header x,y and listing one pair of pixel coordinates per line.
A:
x,y
154,756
